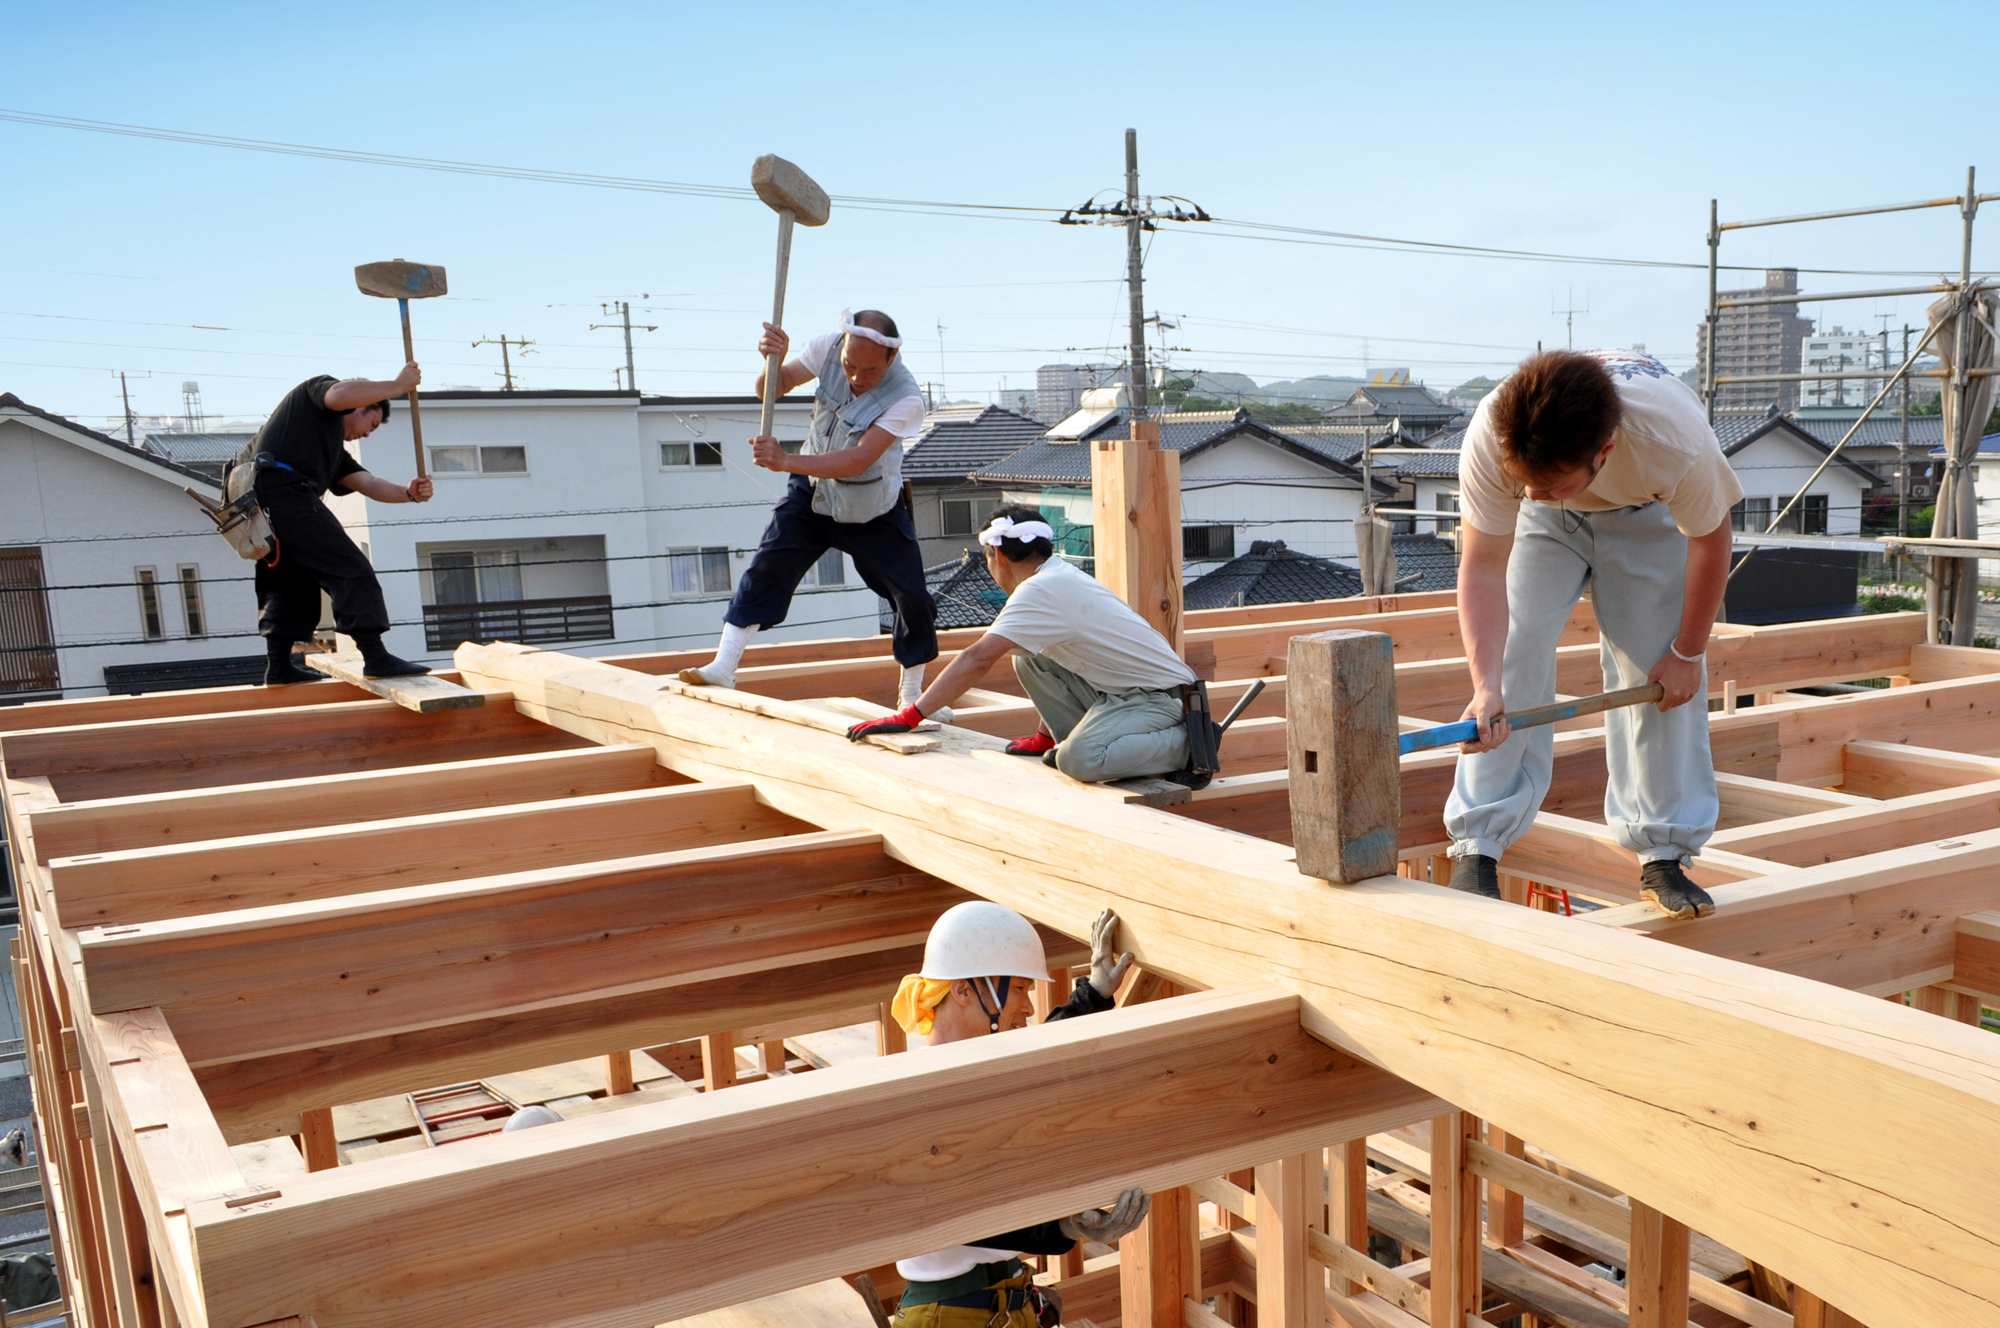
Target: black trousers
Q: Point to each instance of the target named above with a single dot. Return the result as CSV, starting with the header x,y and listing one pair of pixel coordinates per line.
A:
x,y
885,552
313,553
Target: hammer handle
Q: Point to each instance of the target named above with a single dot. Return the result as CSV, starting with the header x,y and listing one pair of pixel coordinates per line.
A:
x,y
774,364
416,420
1466,730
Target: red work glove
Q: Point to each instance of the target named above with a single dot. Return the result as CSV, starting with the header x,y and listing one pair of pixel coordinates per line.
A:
x,y
1033,745
901,722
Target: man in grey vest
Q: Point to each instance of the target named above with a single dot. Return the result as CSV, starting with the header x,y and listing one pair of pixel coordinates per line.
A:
x,y
846,493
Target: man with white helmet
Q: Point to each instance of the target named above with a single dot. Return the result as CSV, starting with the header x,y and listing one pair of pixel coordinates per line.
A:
x,y
1111,693
978,964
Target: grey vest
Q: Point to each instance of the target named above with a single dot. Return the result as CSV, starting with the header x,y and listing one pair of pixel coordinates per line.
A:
x,y
839,420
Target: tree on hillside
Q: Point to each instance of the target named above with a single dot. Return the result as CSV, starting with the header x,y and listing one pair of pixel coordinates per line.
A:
x,y
1179,394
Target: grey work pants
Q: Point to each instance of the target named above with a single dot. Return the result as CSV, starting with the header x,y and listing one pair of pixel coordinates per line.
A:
x,y
1659,797
1104,735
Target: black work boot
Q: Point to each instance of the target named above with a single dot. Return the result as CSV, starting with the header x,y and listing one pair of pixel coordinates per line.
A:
x,y
1476,874
377,662
1666,884
278,665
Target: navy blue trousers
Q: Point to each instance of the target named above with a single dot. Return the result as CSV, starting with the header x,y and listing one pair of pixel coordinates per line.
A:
x,y
314,552
885,552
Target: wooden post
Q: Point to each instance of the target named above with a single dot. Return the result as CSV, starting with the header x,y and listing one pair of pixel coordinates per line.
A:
x,y
774,1056
1291,1288
1506,1222
718,1061
321,1148
1656,1280
1347,1202
1135,498
618,1073
1809,1311
1457,1284
890,1039
1159,1264
1340,734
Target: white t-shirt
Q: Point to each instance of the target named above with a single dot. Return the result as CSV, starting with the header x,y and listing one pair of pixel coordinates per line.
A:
x,y
905,416
1664,452
1076,621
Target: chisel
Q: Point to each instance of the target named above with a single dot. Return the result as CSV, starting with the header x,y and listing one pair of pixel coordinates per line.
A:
x,y
1466,730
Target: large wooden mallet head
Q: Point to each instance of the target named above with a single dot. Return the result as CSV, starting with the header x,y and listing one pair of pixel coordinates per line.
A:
x,y
786,188
398,280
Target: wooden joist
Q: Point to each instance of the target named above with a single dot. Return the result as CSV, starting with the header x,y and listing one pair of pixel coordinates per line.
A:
x,y
422,692
1525,1019
658,1201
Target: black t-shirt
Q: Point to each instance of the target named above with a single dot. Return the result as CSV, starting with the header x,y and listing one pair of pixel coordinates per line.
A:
x,y
303,434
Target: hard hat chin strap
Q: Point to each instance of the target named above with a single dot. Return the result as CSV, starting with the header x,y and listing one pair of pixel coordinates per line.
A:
x,y
999,1000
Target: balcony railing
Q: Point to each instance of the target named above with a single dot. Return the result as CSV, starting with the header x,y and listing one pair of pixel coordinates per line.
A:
x,y
528,621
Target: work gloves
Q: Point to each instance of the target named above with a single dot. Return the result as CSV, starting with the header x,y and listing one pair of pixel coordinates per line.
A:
x,y
1107,966
1033,745
901,722
1107,1226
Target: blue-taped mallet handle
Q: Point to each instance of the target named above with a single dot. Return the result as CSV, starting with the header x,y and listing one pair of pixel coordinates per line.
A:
x,y
1466,730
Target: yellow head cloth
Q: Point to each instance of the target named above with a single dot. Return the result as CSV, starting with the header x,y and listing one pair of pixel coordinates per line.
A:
x,y
916,1002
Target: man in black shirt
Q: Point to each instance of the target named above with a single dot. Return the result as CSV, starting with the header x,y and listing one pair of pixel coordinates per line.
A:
x,y
300,453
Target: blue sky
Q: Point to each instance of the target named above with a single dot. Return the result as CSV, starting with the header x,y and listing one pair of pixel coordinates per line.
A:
x,y
1581,129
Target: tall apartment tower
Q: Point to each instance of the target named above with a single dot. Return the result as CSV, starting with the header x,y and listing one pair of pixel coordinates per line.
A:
x,y
1059,388
1757,339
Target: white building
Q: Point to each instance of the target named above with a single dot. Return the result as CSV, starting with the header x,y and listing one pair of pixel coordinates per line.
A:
x,y
111,578
1837,350
1774,460
602,522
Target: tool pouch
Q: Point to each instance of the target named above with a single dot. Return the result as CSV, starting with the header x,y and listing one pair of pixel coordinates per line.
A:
x,y
1204,737
240,519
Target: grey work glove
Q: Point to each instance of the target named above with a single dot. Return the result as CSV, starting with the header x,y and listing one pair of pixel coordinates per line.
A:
x,y
1107,966
1106,1226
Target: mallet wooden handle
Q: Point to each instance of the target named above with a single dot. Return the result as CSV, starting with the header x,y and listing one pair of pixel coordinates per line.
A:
x,y
416,420
774,363
1466,730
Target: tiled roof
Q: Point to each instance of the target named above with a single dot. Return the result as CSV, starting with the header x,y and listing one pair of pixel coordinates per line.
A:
x,y
1046,461
1271,574
957,441
1426,463
8,401
1744,431
965,593
193,448
1879,430
1428,554
1384,399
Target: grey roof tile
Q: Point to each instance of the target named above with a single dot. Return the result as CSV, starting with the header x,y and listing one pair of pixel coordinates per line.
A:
x,y
958,440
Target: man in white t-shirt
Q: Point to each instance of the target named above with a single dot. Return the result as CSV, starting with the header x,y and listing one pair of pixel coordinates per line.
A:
x,y
1109,689
846,493
1592,469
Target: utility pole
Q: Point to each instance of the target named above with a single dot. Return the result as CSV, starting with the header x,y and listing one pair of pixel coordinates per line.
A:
x,y
130,441
506,364
1136,215
624,308
943,396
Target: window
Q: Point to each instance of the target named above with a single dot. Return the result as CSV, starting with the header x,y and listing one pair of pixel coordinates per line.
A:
x,y
829,570
191,612
699,455
151,625
1809,517
486,577
955,516
1207,543
479,460
699,571
1752,514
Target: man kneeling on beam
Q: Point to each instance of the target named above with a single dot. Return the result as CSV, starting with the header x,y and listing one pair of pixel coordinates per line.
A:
x,y
1110,691
978,964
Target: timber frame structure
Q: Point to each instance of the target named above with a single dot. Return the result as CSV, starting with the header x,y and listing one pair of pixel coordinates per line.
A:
x,y
245,907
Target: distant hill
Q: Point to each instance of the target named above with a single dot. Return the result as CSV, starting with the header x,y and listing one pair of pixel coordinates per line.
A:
x,y
1321,389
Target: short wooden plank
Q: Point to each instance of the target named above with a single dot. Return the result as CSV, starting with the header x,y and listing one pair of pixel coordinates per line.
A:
x,y
1565,1196
903,744
1356,1267
423,693
1174,1083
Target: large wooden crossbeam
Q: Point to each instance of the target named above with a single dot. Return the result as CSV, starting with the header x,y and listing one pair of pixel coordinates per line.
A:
x,y
696,1203
1652,1063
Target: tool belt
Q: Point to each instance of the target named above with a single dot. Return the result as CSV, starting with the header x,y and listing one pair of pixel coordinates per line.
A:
x,y
240,518
1000,1287
1204,738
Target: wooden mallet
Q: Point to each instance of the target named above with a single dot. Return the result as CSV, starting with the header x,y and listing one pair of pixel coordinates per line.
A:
x,y
794,197
403,282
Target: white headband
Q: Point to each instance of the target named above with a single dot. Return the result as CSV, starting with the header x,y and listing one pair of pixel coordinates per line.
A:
x,y
853,329
1006,527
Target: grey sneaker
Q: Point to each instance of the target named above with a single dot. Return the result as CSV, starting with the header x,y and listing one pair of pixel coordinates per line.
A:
x,y
1476,874
1666,884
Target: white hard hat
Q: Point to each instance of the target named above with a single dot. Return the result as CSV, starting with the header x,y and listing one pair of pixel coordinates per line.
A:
x,y
527,1118
979,939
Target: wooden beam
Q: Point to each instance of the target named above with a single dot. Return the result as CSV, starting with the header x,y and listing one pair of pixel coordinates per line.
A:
x,y
157,820
1853,831
1748,801
202,751
657,1201
302,975
1894,770
254,871
1586,855
1346,816
423,693
1976,952
1523,1018
167,705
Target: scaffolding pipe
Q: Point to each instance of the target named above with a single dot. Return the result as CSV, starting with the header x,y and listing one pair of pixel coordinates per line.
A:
x,y
1956,200
1754,301
1832,374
